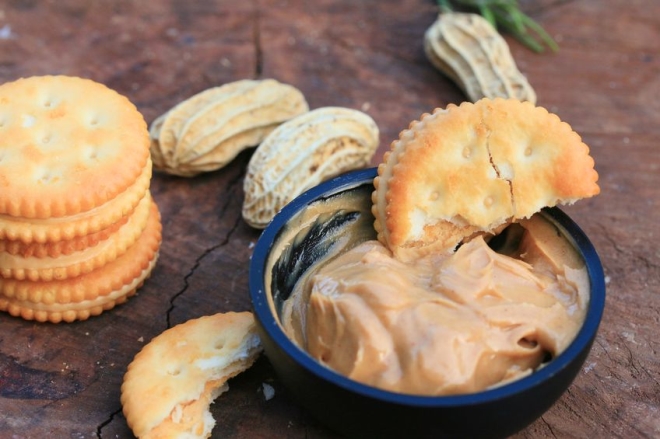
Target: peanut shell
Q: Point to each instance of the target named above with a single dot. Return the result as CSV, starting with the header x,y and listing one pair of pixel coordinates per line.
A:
x,y
303,152
208,130
470,51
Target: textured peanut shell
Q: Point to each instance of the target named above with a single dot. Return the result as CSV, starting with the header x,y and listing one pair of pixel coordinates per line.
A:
x,y
468,50
207,131
303,152
154,131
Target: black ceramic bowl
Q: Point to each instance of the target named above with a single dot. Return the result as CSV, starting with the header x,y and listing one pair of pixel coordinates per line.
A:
x,y
290,245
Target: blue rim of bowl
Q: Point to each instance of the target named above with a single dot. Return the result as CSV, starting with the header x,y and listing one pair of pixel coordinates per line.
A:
x,y
353,179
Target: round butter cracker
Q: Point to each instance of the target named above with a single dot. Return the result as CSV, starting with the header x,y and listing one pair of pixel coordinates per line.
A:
x,y
62,247
171,382
57,229
67,145
82,261
89,294
473,169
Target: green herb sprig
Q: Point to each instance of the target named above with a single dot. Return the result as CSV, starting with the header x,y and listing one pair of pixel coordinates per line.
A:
x,y
507,15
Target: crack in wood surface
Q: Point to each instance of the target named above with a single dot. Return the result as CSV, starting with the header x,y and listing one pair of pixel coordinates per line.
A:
x,y
548,426
258,52
102,425
225,208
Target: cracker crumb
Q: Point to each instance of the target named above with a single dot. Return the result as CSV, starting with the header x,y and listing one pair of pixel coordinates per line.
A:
x,y
268,390
141,339
5,32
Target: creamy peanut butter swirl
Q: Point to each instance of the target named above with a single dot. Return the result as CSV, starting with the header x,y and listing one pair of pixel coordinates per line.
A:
x,y
442,324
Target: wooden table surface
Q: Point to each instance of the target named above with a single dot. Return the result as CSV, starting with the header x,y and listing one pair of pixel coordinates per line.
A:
x,y
63,381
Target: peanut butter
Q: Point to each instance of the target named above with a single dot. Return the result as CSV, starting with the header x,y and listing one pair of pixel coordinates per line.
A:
x,y
443,324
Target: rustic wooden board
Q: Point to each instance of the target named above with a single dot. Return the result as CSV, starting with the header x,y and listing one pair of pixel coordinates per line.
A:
x,y
63,380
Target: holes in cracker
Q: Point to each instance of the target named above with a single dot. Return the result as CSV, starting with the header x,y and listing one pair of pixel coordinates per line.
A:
x,y
528,151
90,153
488,201
93,119
46,176
49,101
174,370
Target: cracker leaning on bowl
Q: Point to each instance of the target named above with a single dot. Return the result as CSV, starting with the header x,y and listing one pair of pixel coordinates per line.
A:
x,y
500,160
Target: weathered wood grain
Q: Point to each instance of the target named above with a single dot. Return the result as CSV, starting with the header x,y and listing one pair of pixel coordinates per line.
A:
x,y
63,380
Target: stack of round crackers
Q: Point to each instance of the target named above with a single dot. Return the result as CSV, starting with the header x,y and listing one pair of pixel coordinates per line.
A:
x,y
79,231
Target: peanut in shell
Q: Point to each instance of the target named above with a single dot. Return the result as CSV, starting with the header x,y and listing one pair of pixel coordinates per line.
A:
x,y
208,130
302,153
470,52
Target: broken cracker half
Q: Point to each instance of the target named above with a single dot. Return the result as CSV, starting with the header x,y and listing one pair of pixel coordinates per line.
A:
x,y
473,169
171,382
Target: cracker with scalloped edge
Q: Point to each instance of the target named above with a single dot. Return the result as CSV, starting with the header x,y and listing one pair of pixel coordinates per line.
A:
x,y
473,169
171,382
91,293
56,229
18,266
62,247
67,145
